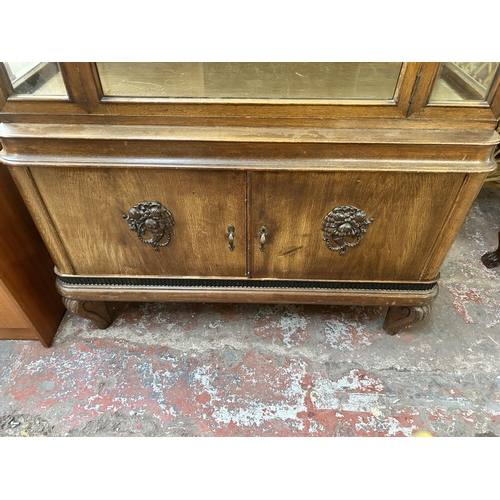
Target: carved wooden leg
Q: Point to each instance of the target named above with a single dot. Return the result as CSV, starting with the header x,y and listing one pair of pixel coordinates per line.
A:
x,y
399,317
492,259
95,311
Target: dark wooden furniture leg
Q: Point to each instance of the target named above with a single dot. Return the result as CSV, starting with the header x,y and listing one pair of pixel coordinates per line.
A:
x,y
399,317
492,259
95,311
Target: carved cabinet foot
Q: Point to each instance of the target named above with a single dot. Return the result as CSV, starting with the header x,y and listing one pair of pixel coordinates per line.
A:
x,y
492,259
399,317
95,311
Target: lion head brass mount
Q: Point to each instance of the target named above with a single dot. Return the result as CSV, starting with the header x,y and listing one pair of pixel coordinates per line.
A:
x,y
344,222
151,217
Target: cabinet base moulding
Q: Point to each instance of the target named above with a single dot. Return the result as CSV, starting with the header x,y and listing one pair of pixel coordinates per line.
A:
x,y
93,298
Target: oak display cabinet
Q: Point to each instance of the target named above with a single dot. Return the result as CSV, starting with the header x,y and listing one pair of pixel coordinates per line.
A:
x,y
314,183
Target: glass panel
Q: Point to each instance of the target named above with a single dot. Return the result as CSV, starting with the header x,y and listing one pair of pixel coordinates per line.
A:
x,y
251,80
36,78
464,81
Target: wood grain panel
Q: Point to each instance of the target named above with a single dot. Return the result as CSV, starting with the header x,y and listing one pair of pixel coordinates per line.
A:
x,y
24,181
86,206
26,269
468,192
10,315
200,121
409,211
18,334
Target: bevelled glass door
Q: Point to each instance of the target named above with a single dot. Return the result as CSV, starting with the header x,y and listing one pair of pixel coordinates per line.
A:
x,y
35,78
459,82
235,80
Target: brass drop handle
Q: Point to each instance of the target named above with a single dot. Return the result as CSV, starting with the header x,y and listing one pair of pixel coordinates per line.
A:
x,y
263,233
230,237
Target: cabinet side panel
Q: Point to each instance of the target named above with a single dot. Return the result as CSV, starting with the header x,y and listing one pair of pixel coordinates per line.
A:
x,y
31,196
466,196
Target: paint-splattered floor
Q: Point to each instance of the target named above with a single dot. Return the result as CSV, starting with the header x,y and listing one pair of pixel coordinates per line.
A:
x,y
249,370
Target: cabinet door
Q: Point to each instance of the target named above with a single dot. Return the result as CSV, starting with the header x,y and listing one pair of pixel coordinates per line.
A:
x,y
88,205
409,211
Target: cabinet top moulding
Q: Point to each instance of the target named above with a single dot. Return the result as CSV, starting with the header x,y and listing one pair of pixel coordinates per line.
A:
x,y
245,147
242,147
248,134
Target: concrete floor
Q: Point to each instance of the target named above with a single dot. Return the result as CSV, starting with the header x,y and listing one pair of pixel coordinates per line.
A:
x,y
250,370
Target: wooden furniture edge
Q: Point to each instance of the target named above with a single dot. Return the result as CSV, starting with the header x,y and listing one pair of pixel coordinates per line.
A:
x,y
29,332
248,134
256,296
34,201
464,200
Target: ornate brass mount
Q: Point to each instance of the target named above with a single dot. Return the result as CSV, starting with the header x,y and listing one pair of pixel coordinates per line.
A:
x,y
151,217
344,222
